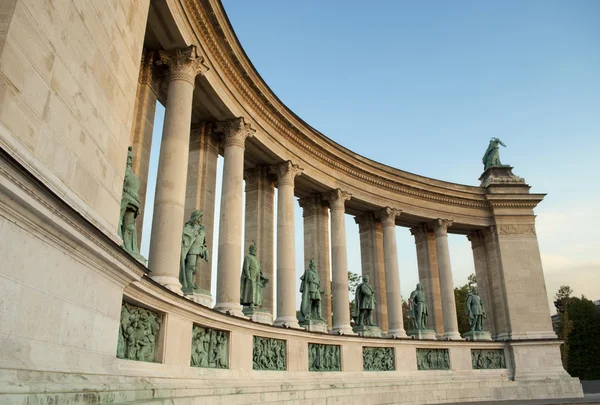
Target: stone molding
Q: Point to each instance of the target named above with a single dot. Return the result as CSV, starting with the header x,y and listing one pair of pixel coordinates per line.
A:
x,y
183,63
235,132
388,216
310,204
366,221
203,138
440,226
285,172
337,199
419,232
515,229
257,176
149,75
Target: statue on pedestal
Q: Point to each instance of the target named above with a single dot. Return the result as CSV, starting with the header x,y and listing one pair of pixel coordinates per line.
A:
x,y
491,158
193,245
310,287
475,310
365,303
130,209
253,280
417,304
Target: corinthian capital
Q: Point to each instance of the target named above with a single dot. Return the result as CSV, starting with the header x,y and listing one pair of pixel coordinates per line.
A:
x,y
286,172
388,215
440,226
183,63
337,199
235,132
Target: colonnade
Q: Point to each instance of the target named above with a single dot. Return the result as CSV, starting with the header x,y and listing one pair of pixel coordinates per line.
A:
x,y
187,182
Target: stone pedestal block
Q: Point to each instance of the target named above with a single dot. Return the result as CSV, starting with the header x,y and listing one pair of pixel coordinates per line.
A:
x,y
477,335
314,326
422,334
367,331
201,297
259,315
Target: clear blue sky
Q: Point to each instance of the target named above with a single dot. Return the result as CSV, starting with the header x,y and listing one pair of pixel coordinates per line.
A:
x,y
422,86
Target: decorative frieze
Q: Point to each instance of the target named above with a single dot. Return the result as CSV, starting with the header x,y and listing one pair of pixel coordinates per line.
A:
x,y
269,354
433,359
286,172
440,226
138,333
378,359
515,229
324,357
486,359
235,131
337,199
184,64
210,348
388,215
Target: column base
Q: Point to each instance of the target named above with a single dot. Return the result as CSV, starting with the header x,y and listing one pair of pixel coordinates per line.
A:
x,y
230,308
422,334
477,335
287,322
396,333
170,283
259,315
526,335
452,336
314,326
342,330
201,297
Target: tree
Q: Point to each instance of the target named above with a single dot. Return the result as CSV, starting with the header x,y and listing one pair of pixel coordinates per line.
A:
x,y
353,282
460,296
565,326
406,316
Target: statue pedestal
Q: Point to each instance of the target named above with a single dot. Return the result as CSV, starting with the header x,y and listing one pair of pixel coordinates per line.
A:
x,y
367,331
501,176
201,297
476,335
422,334
259,315
314,326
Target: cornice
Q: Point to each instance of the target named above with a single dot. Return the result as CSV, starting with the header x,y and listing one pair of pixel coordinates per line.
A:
x,y
211,34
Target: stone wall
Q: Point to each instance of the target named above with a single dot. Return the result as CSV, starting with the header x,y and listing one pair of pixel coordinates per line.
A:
x,y
68,78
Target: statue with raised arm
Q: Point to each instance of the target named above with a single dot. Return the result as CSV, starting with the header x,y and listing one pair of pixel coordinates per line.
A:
x,y
193,246
130,209
491,158
310,287
475,310
253,280
417,304
365,303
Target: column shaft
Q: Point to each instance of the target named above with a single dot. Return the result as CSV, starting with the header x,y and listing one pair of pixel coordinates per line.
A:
x,y
200,195
316,246
229,262
260,200
286,258
339,262
392,274
167,224
440,227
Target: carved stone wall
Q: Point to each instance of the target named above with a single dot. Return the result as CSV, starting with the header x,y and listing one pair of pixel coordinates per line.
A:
x,y
485,359
210,348
269,354
138,333
378,359
324,357
433,359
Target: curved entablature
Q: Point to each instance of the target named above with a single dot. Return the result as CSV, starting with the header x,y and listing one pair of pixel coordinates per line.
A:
x,y
282,135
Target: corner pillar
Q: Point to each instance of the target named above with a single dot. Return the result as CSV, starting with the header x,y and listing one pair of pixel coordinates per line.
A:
x,y
167,224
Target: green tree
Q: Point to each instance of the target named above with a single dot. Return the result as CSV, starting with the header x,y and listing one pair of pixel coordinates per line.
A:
x,y
460,296
565,326
353,282
406,316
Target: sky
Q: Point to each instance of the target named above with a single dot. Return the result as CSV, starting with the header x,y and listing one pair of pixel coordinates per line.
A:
x,y
428,84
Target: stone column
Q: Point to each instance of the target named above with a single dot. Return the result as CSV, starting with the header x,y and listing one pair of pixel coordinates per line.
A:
x,y
260,200
394,300
200,195
440,227
286,258
316,246
167,224
143,126
429,276
229,262
372,263
339,262
481,261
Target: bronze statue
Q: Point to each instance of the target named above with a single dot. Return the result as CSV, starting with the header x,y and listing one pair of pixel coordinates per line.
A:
x,y
193,245
253,280
417,304
310,287
365,303
130,209
475,310
491,158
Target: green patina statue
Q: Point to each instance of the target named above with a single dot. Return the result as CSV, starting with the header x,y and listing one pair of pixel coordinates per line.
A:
x,y
130,209
193,245
138,333
433,359
268,354
365,303
310,287
491,158
253,280
475,310
486,359
378,359
417,304
209,348
323,357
